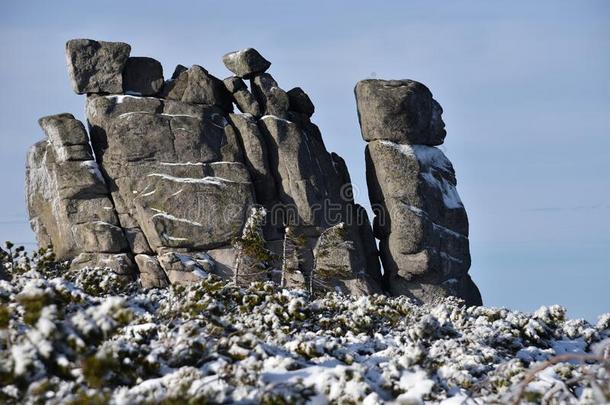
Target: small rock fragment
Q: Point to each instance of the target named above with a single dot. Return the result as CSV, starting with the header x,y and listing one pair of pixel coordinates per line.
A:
x,y
121,264
185,268
151,272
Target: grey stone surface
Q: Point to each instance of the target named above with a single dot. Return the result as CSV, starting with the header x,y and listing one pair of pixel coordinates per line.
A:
x,y
302,169
246,103
401,111
167,176
197,86
300,101
234,84
242,97
68,137
433,292
96,66
361,222
271,98
185,269
256,157
68,200
339,264
246,62
209,217
224,261
151,272
121,264
142,76
183,141
420,220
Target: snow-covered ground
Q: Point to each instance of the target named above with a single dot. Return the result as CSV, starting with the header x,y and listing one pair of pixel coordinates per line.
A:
x,y
88,338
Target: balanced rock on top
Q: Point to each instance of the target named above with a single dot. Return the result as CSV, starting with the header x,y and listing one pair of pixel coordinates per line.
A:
x,y
96,66
401,111
246,63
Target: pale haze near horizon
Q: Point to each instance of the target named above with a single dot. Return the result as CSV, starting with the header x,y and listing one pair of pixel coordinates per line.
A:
x,y
524,85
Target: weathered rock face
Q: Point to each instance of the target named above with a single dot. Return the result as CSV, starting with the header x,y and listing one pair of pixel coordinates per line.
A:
x,y
96,66
197,86
402,111
246,63
339,265
272,99
68,199
420,220
142,76
300,102
152,274
176,174
242,97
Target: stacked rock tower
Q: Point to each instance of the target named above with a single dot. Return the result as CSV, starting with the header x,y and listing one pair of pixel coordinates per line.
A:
x,y
420,220
168,183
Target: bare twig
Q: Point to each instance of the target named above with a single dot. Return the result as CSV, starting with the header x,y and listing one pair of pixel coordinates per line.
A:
x,y
531,375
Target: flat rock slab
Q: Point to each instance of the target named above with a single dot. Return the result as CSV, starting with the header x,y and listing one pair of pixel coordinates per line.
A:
x,y
96,66
121,264
185,268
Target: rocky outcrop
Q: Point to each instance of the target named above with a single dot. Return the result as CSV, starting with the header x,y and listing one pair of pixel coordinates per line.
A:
x,y
174,174
170,184
420,220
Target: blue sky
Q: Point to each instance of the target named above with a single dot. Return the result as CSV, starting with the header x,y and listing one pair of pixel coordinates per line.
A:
x,y
524,85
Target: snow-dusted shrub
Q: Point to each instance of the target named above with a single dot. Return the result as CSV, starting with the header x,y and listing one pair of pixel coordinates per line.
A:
x,y
218,342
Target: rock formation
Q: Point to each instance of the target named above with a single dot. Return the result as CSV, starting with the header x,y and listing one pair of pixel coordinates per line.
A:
x,y
163,182
420,220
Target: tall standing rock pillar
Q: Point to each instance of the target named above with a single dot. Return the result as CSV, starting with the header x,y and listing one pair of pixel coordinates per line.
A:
x,y
420,220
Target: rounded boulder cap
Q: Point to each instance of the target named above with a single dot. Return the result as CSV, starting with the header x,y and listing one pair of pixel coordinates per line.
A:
x,y
246,63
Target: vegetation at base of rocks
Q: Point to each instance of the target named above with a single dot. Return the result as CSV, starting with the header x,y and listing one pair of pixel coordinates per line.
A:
x,y
254,259
16,261
331,242
215,341
292,256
